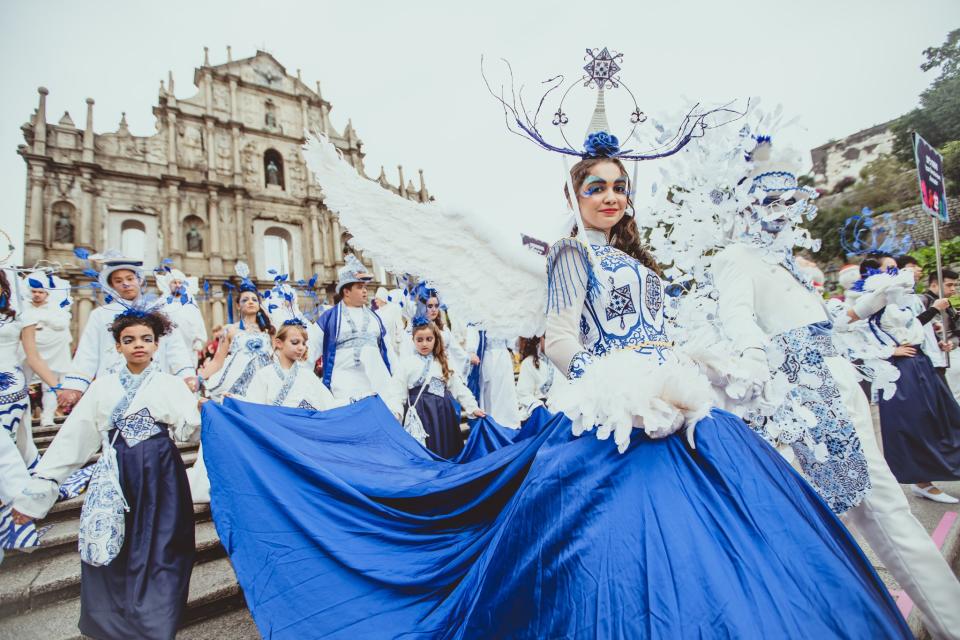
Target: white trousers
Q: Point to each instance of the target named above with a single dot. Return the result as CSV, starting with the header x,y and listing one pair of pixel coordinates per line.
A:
x,y
891,530
498,393
48,406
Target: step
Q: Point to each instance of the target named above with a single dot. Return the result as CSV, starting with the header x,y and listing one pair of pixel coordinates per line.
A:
x,y
213,591
182,446
57,577
233,625
62,537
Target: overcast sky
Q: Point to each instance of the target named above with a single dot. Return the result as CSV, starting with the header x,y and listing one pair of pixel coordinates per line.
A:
x,y
408,73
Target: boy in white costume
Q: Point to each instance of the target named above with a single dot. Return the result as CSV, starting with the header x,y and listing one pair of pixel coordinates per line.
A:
x,y
179,294
96,353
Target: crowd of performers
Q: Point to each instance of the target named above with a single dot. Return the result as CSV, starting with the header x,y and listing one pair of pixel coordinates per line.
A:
x,y
662,466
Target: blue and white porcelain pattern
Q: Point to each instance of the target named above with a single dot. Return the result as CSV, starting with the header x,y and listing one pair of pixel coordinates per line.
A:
x,y
626,313
829,452
288,377
103,515
306,405
137,427
249,351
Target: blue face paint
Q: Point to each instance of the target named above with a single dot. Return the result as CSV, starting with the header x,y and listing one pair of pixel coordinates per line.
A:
x,y
593,185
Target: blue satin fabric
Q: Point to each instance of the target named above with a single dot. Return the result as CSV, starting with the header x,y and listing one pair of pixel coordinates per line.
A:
x,y
340,525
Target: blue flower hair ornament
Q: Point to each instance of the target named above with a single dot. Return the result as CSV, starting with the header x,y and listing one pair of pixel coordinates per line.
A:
x,y
294,322
601,145
419,320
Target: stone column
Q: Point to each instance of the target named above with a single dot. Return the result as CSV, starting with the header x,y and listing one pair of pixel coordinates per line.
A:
x,y
85,232
325,119
213,217
173,221
243,234
233,99
171,142
303,115
327,252
237,171
337,242
88,133
216,313
40,124
211,149
316,246
35,223
82,308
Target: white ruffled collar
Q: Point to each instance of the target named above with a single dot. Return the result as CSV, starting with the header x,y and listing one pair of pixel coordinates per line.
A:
x,y
597,237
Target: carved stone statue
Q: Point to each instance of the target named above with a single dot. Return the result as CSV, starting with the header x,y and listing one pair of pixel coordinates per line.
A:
x,y
194,240
273,173
270,119
63,228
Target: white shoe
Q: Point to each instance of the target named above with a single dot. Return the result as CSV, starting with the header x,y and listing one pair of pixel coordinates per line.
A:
x,y
925,492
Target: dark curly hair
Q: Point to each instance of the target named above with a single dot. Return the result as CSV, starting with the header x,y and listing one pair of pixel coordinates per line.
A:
x,y
530,347
6,309
624,235
158,322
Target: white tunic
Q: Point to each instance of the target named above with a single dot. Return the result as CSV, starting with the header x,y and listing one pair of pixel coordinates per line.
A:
x,y
97,353
189,323
534,384
164,398
249,351
297,387
411,373
53,334
498,393
14,403
358,369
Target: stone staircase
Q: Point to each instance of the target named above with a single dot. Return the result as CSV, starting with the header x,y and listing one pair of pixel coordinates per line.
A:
x,y
40,591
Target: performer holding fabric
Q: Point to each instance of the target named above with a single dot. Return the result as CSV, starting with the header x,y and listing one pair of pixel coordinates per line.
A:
x,y
355,360
288,381
428,385
134,577
554,535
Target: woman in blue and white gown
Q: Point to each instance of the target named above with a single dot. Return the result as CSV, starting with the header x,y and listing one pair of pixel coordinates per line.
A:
x,y
245,348
554,536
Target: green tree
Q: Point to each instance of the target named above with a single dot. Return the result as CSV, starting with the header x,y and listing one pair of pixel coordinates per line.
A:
x,y
938,117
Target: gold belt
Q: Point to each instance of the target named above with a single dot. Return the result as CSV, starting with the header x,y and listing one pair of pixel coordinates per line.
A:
x,y
651,343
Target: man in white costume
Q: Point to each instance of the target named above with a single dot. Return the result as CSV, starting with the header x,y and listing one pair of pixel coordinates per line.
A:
x,y
356,363
391,314
53,331
762,300
180,305
96,355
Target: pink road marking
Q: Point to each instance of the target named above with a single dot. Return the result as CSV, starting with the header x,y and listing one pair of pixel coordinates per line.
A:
x,y
939,535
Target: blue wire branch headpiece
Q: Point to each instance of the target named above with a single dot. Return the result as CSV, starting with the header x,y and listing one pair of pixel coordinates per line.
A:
x,y
866,233
602,71
295,322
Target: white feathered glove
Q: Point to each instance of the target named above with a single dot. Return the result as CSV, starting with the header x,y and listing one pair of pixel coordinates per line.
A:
x,y
870,303
749,376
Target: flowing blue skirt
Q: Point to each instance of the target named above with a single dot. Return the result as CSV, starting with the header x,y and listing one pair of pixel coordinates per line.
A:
x,y
340,525
920,424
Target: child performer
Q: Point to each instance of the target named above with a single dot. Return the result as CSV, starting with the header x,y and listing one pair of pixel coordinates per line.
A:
x,y
289,381
427,384
536,378
142,592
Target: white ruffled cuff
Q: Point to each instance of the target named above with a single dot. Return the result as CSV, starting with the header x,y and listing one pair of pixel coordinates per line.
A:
x,y
625,390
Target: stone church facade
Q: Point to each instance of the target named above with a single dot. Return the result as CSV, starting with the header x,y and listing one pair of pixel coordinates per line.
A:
x,y
222,179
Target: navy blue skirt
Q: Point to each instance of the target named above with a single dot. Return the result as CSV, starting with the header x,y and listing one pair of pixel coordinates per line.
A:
x,y
143,592
920,424
440,420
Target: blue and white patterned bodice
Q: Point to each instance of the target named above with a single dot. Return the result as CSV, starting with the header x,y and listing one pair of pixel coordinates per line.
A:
x,y
628,312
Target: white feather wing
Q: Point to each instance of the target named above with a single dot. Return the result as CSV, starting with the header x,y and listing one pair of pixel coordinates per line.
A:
x,y
483,272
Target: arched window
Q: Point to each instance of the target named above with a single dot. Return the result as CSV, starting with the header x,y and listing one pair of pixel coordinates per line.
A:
x,y
193,234
273,168
133,238
64,222
276,251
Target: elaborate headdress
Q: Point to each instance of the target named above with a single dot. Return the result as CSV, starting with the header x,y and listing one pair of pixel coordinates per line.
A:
x,y
601,73
351,272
